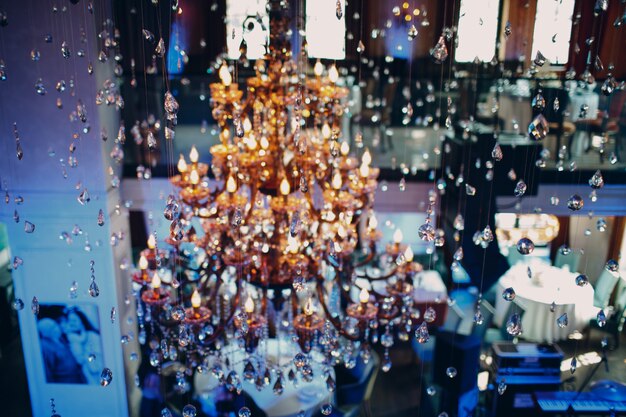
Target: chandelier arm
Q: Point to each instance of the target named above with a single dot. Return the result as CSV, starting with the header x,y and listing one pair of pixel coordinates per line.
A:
x,y
368,259
333,320
222,326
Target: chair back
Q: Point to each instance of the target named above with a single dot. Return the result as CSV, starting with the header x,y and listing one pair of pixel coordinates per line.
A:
x,y
604,288
572,259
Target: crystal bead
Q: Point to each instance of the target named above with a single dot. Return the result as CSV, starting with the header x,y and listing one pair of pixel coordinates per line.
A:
x,y
440,51
520,188
244,412
601,318
538,102
469,190
458,254
575,202
29,227
525,246
596,181
539,60
18,304
451,372
94,291
508,294
496,152
338,10
421,334
326,409
412,32
582,280
562,321
430,315
612,266
160,48
514,325
572,365
426,232
538,128
106,377
501,387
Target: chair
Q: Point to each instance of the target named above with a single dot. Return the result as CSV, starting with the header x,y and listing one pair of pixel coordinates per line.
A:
x,y
572,260
604,288
614,324
355,387
607,121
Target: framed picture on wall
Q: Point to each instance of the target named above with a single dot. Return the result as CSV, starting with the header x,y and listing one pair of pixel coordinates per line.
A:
x,y
71,346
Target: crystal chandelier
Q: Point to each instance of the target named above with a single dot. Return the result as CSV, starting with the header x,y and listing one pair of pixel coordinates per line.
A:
x,y
273,247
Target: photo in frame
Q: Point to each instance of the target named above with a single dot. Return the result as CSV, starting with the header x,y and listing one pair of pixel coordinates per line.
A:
x,y
71,346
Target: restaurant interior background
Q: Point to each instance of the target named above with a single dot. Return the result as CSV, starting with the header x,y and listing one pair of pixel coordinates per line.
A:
x,y
312,207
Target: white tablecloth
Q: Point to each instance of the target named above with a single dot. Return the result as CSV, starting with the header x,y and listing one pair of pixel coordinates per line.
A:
x,y
308,396
535,295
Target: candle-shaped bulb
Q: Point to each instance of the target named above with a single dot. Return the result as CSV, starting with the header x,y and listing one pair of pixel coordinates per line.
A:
x,y
333,74
193,155
308,307
247,125
364,170
367,157
264,142
398,236
364,296
292,244
231,184
373,222
196,300
345,148
225,76
156,281
336,182
408,254
249,305
285,189
194,177
143,263
182,164
151,241
318,69
326,131
341,232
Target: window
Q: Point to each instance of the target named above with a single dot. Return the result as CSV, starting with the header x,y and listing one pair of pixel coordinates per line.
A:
x,y
325,34
248,20
477,30
553,28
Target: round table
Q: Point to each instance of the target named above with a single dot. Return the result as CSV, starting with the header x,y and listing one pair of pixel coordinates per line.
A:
x,y
535,295
307,397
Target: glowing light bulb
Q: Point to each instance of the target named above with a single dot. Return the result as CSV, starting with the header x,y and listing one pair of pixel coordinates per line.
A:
x,y
285,189
143,263
252,143
373,223
367,157
193,155
194,177
364,170
156,281
345,148
408,254
249,305
326,131
341,232
196,300
364,296
292,244
247,125
333,74
308,307
336,183
182,164
225,76
231,184
151,242
318,69
264,142
398,236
